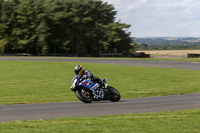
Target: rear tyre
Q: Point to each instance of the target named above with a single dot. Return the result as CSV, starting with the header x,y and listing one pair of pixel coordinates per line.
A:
x,y
84,95
114,94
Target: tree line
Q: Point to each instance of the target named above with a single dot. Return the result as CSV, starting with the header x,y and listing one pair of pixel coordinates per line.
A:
x,y
74,27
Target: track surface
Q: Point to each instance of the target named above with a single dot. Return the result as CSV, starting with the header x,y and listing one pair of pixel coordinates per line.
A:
x,y
79,109
147,63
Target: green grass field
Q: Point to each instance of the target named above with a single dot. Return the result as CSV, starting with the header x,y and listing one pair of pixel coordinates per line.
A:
x,y
186,121
42,82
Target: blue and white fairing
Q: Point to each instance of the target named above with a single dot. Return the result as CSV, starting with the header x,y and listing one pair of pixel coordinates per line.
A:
x,y
87,83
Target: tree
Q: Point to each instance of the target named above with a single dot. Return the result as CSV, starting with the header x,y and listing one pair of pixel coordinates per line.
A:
x,y
118,38
32,29
3,38
77,27
7,19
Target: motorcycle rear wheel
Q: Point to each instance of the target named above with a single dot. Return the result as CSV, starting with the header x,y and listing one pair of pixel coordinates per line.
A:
x,y
84,95
115,95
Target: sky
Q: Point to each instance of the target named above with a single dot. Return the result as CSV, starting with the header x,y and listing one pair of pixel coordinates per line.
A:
x,y
159,18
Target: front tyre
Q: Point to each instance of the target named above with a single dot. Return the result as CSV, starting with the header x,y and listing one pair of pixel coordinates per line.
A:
x,y
84,95
115,95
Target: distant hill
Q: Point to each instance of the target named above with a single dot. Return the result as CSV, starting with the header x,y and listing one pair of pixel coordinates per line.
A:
x,y
167,43
167,40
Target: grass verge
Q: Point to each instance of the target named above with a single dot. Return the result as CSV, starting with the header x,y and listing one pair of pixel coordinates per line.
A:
x,y
43,81
186,121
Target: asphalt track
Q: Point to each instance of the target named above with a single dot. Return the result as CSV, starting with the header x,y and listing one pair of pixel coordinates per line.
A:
x,y
130,62
79,109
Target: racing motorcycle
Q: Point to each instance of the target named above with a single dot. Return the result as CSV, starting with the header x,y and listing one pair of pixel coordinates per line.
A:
x,y
87,91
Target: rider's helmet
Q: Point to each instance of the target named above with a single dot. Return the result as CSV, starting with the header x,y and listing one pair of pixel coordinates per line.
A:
x,y
78,69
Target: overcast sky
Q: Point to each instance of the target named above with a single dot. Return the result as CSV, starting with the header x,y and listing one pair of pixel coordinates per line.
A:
x,y
159,18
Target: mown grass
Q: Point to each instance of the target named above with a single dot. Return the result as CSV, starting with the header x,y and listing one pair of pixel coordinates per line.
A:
x,y
186,121
42,82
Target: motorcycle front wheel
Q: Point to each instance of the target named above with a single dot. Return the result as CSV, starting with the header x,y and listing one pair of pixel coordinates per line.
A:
x,y
84,95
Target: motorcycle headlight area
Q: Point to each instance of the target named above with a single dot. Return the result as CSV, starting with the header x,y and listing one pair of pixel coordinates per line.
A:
x,y
73,84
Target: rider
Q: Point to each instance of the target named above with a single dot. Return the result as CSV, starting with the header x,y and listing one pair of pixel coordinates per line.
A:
x,y
86,74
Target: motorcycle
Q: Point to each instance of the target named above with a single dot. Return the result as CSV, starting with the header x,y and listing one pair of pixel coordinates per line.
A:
x,y
87,90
